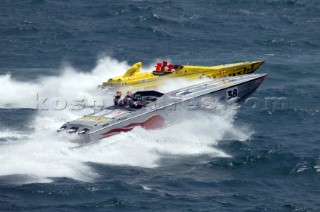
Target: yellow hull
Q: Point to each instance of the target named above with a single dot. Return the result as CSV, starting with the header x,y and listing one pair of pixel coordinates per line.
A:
x,y
149,80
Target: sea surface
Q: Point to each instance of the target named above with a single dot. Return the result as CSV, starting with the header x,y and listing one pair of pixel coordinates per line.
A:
x,y
261,155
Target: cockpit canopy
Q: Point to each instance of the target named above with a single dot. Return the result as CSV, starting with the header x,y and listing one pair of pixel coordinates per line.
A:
x,y
146,95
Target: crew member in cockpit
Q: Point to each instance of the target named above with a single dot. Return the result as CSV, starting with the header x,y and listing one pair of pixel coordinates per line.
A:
x,y
158,67
117,98
129,102
164,65
128,99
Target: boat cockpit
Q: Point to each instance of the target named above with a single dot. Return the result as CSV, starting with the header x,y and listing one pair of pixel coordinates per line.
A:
x,y
163,68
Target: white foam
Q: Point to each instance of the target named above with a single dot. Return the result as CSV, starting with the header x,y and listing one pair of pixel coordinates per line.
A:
x,y
71,84
14,93
45,154
12,135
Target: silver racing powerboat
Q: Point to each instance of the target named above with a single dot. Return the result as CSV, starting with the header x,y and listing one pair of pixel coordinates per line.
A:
x,y
154,106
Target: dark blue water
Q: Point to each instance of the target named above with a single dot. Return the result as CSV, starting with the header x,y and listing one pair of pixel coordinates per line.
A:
x,y
262,156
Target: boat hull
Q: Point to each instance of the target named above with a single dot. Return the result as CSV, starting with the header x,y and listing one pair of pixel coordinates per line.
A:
x,y
114,120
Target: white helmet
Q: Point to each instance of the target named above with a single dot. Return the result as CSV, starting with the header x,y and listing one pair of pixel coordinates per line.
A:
x,y
129,93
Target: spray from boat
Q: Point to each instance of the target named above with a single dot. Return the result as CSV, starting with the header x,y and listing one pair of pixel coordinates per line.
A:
x,y
38,154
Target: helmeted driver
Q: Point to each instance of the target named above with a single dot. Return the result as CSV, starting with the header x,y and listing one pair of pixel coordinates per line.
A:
x,y
117,98
127,101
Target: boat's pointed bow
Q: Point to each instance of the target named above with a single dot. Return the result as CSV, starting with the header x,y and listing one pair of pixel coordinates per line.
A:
x,y
259,63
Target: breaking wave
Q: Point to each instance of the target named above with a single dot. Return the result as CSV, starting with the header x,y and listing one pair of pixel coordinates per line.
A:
x,y
71,84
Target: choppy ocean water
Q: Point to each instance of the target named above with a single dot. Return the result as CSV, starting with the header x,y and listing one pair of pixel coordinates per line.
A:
x,y
262,157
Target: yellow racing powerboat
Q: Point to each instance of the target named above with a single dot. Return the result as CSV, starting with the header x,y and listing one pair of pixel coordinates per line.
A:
x,y
135,79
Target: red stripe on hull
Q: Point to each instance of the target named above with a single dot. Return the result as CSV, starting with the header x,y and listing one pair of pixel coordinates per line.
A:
x,y
152,123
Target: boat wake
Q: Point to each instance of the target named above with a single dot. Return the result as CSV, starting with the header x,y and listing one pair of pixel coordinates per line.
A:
x,y
70,85
40,154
